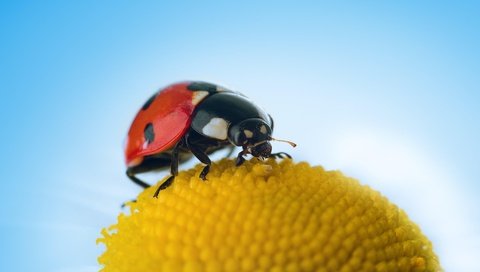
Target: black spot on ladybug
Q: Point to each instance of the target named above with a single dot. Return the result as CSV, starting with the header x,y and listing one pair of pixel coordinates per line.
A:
x,y
202,86
149,102
149,133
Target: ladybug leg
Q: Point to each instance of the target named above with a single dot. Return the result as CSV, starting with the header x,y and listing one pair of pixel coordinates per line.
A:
x,y
240,159
201,156
230,152
132,177
164,186
124,204
281,155
173,170
148,164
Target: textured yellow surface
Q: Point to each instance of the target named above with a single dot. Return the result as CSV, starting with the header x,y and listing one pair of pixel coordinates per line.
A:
x,y
265,216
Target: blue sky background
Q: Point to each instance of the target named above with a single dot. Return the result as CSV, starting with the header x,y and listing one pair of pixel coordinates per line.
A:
x,y
386,92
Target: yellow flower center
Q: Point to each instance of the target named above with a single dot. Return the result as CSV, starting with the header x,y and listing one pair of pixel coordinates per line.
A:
x,y
265,216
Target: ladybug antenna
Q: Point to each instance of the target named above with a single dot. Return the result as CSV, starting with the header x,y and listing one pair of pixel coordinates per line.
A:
x,y
284,141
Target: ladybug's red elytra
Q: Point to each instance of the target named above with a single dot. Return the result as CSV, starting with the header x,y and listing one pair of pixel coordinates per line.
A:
x,y
195,118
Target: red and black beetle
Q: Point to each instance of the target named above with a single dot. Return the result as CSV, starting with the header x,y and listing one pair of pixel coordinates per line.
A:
x,y
195,118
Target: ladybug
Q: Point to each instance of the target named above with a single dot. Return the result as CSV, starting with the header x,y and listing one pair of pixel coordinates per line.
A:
x,y
195,119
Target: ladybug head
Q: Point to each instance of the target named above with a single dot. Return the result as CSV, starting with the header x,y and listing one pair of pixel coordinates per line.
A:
x,y
253,135
262,149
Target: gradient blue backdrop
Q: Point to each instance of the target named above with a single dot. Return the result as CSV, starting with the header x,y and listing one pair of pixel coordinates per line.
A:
x,y
386,92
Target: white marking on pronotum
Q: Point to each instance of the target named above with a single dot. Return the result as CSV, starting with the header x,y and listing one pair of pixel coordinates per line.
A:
x,y
248,133
198,96
217,128
263,129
